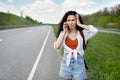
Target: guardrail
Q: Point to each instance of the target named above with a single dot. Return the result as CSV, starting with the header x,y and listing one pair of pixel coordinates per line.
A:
x,y
17,26
109,29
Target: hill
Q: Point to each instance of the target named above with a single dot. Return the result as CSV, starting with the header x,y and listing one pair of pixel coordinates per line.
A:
x,y
8,19
106,18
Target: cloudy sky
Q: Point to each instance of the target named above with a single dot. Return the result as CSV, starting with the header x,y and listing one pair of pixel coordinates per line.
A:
x,y
51,11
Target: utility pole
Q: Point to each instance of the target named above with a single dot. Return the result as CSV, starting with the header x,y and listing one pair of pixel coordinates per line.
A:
x,y
21,13
8,11
8,18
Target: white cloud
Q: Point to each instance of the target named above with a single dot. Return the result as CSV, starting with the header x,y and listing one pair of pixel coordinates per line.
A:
x,y
10,1
10,8
48,11
77,5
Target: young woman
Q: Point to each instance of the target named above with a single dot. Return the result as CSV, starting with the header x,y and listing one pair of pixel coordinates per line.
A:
x,y
73,36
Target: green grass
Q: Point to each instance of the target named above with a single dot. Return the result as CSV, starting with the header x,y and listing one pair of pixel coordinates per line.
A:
x,y
8,20
55,27
103,56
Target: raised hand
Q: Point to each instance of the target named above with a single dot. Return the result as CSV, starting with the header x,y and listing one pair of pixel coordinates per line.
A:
x,y
81,25
78,20
65,26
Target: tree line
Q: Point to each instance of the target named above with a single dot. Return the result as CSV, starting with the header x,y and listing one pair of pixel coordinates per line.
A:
x,y
32,20
106,18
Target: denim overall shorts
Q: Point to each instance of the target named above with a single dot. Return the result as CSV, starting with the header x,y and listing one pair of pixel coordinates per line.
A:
x,y
76,69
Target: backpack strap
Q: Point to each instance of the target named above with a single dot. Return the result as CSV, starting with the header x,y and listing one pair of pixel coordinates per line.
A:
x,y
82,34
84,46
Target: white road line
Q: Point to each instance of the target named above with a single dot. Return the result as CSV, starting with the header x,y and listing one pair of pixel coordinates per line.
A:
x,y
38,58
1,39
29,31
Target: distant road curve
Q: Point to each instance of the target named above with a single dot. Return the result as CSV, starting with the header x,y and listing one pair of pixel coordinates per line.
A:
x,y
109,31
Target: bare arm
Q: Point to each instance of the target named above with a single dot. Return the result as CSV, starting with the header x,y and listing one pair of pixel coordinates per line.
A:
x,y
84,26
89,30
59,40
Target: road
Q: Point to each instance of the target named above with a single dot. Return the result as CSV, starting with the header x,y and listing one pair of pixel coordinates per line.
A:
x,y
109,31
28,54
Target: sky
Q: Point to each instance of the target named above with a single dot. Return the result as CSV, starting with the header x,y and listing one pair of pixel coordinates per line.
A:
x,y
52,11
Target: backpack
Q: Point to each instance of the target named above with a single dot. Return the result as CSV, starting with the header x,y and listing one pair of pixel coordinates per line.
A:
x,y
84,46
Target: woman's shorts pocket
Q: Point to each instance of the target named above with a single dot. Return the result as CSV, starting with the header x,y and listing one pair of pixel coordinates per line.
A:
x,y
80,60
64,61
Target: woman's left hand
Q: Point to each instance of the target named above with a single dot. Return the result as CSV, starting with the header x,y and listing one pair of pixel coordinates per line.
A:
x,y
81,25
78,20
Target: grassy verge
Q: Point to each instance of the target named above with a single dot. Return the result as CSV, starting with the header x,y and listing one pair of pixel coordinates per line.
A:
x,y
55,27
17,26
103,56
9,21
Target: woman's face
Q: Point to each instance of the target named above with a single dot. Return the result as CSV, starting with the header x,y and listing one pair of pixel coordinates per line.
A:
x,y
71,21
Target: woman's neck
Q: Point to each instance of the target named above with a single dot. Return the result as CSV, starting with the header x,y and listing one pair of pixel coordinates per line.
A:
x,y
72,30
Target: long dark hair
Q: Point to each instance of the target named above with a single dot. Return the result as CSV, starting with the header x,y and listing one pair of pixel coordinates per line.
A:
x,y
64,19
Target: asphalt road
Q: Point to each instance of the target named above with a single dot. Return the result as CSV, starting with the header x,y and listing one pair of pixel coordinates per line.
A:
x,y
28,54
109,31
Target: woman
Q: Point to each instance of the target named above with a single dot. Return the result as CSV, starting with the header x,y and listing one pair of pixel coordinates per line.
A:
x,y
73,36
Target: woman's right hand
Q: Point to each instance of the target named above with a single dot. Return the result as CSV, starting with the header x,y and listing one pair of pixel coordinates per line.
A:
x,y
59,40
65,26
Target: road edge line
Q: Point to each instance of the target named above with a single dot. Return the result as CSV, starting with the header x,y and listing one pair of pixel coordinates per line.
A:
x,y
38,58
